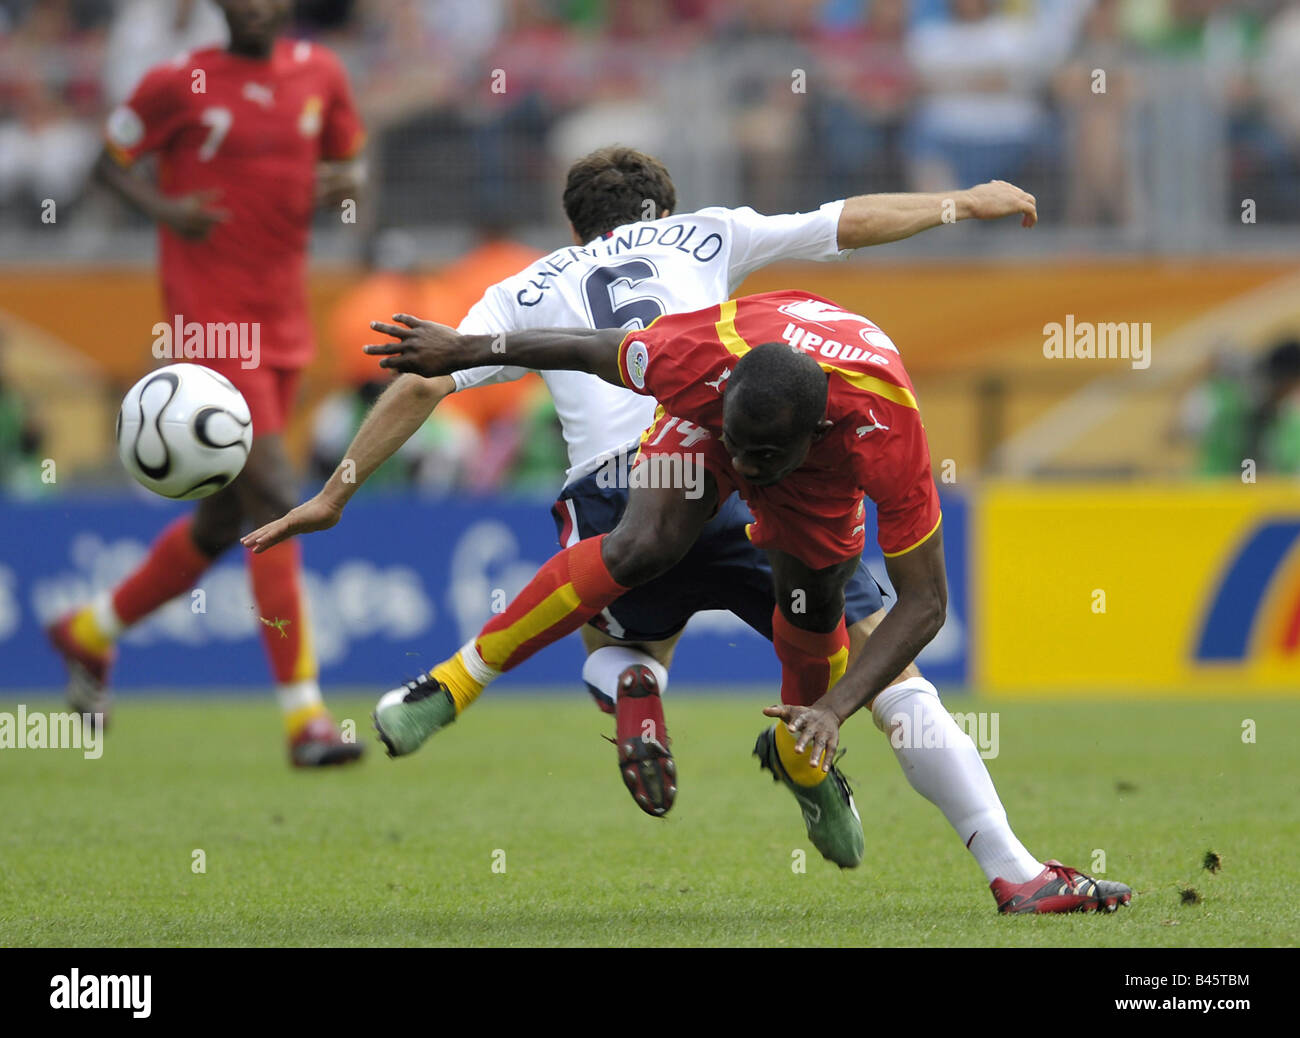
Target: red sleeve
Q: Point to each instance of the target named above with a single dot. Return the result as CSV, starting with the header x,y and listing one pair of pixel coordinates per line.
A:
x,y
640,349
634,361
671,355
342,134
150,117
907,503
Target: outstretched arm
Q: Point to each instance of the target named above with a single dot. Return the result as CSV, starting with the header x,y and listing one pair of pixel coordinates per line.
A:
x,y
876,219
398,413
429,349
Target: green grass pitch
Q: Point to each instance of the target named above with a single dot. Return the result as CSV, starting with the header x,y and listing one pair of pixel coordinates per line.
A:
x,y
101,852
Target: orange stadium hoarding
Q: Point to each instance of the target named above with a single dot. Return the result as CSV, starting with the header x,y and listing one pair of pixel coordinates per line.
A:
x,y
1200,582
955,323
946,317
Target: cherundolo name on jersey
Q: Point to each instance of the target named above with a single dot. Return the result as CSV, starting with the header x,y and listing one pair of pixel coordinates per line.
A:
x,y
679,236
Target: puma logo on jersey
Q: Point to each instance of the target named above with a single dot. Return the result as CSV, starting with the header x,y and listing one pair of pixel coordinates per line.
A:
x,y
717,382
862,430
259,94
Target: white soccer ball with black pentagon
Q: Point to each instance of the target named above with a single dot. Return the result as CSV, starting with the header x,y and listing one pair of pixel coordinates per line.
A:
x,y
184,431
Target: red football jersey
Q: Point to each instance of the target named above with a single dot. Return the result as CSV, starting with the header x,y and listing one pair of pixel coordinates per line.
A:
x,y
253,130
876,445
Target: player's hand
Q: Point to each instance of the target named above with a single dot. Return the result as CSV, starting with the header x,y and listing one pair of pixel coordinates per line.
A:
x,y
336,182
310,516
815,729
193,216
422,347
997,199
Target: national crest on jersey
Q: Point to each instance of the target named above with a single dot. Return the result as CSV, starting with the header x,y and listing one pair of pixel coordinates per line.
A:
x,y
309,122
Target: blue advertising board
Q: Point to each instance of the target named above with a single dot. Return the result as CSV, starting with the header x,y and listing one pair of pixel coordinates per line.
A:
x,y
398,585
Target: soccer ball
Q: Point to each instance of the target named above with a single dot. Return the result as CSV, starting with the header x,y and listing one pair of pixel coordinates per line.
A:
x,y
184,431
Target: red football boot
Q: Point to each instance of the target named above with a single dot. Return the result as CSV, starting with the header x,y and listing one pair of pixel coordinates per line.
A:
x,y
1059,888
603,703
644,761
319,743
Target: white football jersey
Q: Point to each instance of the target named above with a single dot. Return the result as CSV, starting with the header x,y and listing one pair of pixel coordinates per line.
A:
x,y
625,279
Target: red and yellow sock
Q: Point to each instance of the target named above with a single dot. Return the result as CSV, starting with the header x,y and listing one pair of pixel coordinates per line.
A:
x,y
300,704
174,565
811,662
567,591
90,632
282,610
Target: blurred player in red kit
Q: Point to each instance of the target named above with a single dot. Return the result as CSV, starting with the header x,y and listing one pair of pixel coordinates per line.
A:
x,y
249,140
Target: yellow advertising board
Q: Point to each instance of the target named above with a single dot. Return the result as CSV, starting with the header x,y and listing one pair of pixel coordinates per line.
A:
x,y
1193,588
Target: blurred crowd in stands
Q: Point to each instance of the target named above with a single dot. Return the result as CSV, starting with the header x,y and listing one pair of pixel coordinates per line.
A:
x,y
499,438
475,106
1244,416
21,435
504,436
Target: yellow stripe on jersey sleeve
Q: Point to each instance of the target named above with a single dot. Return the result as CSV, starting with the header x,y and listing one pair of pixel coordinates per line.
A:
x,y
736,345
659,413
621,359
871,384
119,154
904,551
726,329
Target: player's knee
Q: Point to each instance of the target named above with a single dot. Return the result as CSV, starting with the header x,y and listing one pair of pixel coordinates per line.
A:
x,y
810,611
864,627
215,541
215,531
635,555
264,500
270,507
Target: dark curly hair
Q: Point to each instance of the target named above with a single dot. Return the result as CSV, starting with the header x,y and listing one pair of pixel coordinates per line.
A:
x,y
609,188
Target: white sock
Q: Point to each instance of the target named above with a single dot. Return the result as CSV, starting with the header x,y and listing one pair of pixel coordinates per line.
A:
x,y
949,772
298,695
474,665
603,667
106,619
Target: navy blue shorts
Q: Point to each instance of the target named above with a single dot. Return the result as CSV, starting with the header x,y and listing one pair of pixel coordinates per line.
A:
x,y
723,570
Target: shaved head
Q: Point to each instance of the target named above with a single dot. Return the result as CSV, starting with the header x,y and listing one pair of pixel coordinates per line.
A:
x,y
780,387
773,409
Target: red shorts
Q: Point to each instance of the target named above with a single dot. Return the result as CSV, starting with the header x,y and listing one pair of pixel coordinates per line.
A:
x,y
270,392
820,526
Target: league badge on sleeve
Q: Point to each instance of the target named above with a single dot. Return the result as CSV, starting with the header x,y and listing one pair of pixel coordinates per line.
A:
x,y
124,128
637,359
